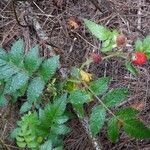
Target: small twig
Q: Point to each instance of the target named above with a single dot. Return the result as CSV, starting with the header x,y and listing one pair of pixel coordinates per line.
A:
x,y
38,7
139,15
85,40
93,140
4,145
101,102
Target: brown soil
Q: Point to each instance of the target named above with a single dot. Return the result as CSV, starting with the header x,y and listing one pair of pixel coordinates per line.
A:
x,y
74,45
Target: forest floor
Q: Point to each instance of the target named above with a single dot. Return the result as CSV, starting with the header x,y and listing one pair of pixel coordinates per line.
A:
x,y
131,17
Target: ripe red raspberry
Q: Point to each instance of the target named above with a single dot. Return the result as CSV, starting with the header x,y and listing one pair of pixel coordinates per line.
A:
x,y
96,57
139,58
120,40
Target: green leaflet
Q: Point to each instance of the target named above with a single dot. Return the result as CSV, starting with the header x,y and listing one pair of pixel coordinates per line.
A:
x,y
32,60
100,32
59,105
113,130
52,119
25,107
75,72
16,82
35,89
49,68
3,100
7,70
21,144
130,67
25,134
100,86
126,113
17,51
3,54
61,119
78,97
59,129
136,129
108,48
58,148
97,119
51,115
146,43
46,146
139,45
115,96
79,109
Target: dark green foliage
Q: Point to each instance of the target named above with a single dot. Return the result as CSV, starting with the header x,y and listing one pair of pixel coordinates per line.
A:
x,y
98,31
115,97
136,129
25,134
79,97
32,60
113,130
126,113
105,35
20,73
126,118
43,131
97,119
100,86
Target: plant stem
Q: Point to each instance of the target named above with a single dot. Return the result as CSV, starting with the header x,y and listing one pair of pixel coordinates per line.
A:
x,y
117,54
88,62
99,100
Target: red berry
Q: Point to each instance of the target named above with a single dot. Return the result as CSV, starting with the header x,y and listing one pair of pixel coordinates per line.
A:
x,y
139,58
120,40
96,57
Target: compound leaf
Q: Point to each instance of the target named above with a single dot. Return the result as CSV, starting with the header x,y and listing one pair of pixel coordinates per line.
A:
x,y
97,119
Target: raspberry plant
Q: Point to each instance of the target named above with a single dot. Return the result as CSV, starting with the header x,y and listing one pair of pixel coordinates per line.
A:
x,y
43,129
113,43
105,110
24,74
28,75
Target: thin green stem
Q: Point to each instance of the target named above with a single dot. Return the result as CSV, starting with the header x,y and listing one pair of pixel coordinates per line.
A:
x,y
99,100
116,54
88,62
